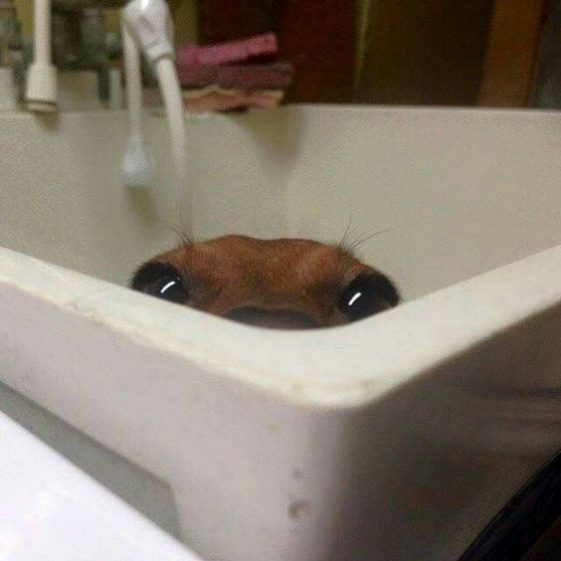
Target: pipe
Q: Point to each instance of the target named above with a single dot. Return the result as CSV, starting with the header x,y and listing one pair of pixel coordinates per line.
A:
x,y
133,79
149,23
41,93
137,169
175,112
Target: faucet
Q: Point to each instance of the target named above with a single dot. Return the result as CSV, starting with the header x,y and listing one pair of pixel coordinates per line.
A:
x,y
8,29
79,43
69,34
12,46
149,25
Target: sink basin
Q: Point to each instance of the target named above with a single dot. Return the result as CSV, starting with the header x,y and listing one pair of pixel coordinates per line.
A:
x,y
398,437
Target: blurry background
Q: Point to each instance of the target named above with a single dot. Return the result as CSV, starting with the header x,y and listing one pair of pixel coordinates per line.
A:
x,y
501,53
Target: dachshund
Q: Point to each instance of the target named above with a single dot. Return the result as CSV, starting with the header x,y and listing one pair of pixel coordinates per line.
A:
x,y
282,283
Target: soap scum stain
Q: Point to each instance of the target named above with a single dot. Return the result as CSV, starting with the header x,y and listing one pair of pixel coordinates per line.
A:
x,y
299,509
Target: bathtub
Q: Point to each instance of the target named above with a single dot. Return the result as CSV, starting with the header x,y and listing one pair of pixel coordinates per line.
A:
x,y
395,438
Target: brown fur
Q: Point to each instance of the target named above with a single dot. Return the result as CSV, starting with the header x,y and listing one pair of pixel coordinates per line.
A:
x,y
233,272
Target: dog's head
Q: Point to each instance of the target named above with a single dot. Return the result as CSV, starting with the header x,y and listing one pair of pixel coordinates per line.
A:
x,y
278,283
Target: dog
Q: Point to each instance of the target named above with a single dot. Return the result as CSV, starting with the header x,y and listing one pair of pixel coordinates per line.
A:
x,y
283,283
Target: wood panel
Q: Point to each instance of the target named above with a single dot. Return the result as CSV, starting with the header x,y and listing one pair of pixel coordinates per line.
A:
x,y
319,38
427,52
184,13
225,20
512,53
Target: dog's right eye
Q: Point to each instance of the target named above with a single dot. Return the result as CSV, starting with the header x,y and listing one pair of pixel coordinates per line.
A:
x,y
367,295
161,280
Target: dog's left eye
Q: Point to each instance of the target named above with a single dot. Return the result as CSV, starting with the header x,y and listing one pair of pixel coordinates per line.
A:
x,y
169,288
367,295
161,280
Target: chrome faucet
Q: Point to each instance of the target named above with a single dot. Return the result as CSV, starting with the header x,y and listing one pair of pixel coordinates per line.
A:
x,y
12,47
79,43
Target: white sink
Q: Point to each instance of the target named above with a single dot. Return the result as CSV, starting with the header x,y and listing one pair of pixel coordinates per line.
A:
x,y
396,438
52,511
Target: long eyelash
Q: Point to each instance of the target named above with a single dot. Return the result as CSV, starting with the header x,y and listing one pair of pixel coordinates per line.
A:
x,y
351,247
182,236
343,241
357,243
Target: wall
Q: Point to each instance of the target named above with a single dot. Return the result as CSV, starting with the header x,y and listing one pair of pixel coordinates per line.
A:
x,y
63,199
445,194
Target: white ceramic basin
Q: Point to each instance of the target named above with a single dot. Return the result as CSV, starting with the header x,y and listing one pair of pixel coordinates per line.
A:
x,y
392,439
51,511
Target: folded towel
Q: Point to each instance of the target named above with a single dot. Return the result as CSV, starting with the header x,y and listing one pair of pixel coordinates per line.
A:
x,y
273,76
214,98
259,47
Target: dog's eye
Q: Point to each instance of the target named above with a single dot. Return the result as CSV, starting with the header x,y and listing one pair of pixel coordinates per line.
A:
x,y
367,295
161,280
168,288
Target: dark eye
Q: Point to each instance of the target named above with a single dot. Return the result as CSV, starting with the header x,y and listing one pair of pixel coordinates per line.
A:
x,y
367,295
161,280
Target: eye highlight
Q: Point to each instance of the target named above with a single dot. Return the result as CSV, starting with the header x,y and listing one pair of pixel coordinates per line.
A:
x,y
367,295
169,288
162,281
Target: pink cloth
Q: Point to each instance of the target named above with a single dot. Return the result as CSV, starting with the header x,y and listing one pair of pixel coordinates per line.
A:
x,y
235,52
273,76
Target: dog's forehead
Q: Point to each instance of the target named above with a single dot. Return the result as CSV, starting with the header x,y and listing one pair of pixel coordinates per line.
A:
x,y
305,261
